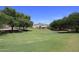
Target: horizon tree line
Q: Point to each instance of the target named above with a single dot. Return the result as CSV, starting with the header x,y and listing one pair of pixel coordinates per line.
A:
x,y
69,22
11,17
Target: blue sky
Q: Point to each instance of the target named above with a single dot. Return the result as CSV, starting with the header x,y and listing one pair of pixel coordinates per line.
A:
x,y
45,14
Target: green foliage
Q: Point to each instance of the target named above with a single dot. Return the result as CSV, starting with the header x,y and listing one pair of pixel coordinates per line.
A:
x,y
9,11
12,18
70,22
4,19
23,20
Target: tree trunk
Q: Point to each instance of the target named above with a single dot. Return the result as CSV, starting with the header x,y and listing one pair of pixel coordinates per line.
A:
x,y
12,28
76,29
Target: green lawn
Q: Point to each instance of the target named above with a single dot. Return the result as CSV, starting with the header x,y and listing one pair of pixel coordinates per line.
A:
x,y
39,40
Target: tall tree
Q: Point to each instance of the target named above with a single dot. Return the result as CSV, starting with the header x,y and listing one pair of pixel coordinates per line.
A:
x,y
70,22
74,21
9,11
14,19
4,19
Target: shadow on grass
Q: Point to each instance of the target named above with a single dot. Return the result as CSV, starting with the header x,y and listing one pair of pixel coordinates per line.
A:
x,y
67,32
14,31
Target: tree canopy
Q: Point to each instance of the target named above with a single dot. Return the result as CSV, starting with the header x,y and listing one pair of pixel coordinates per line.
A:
x,y
11,17
69,22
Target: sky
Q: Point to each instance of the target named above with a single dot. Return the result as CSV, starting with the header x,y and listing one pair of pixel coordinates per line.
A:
x,y
45,14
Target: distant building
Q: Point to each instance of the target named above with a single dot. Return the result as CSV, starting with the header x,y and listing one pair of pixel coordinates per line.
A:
x,y
40,26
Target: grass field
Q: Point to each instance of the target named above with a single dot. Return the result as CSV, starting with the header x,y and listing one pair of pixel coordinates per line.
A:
x,y
39,40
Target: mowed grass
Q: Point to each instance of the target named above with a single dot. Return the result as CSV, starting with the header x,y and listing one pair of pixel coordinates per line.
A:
x,y
39,40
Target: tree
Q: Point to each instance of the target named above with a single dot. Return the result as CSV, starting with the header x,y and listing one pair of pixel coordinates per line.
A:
x,y
11,23
4,19
24,20
70,22
74,21
12,18
31,23
9,11
57,24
